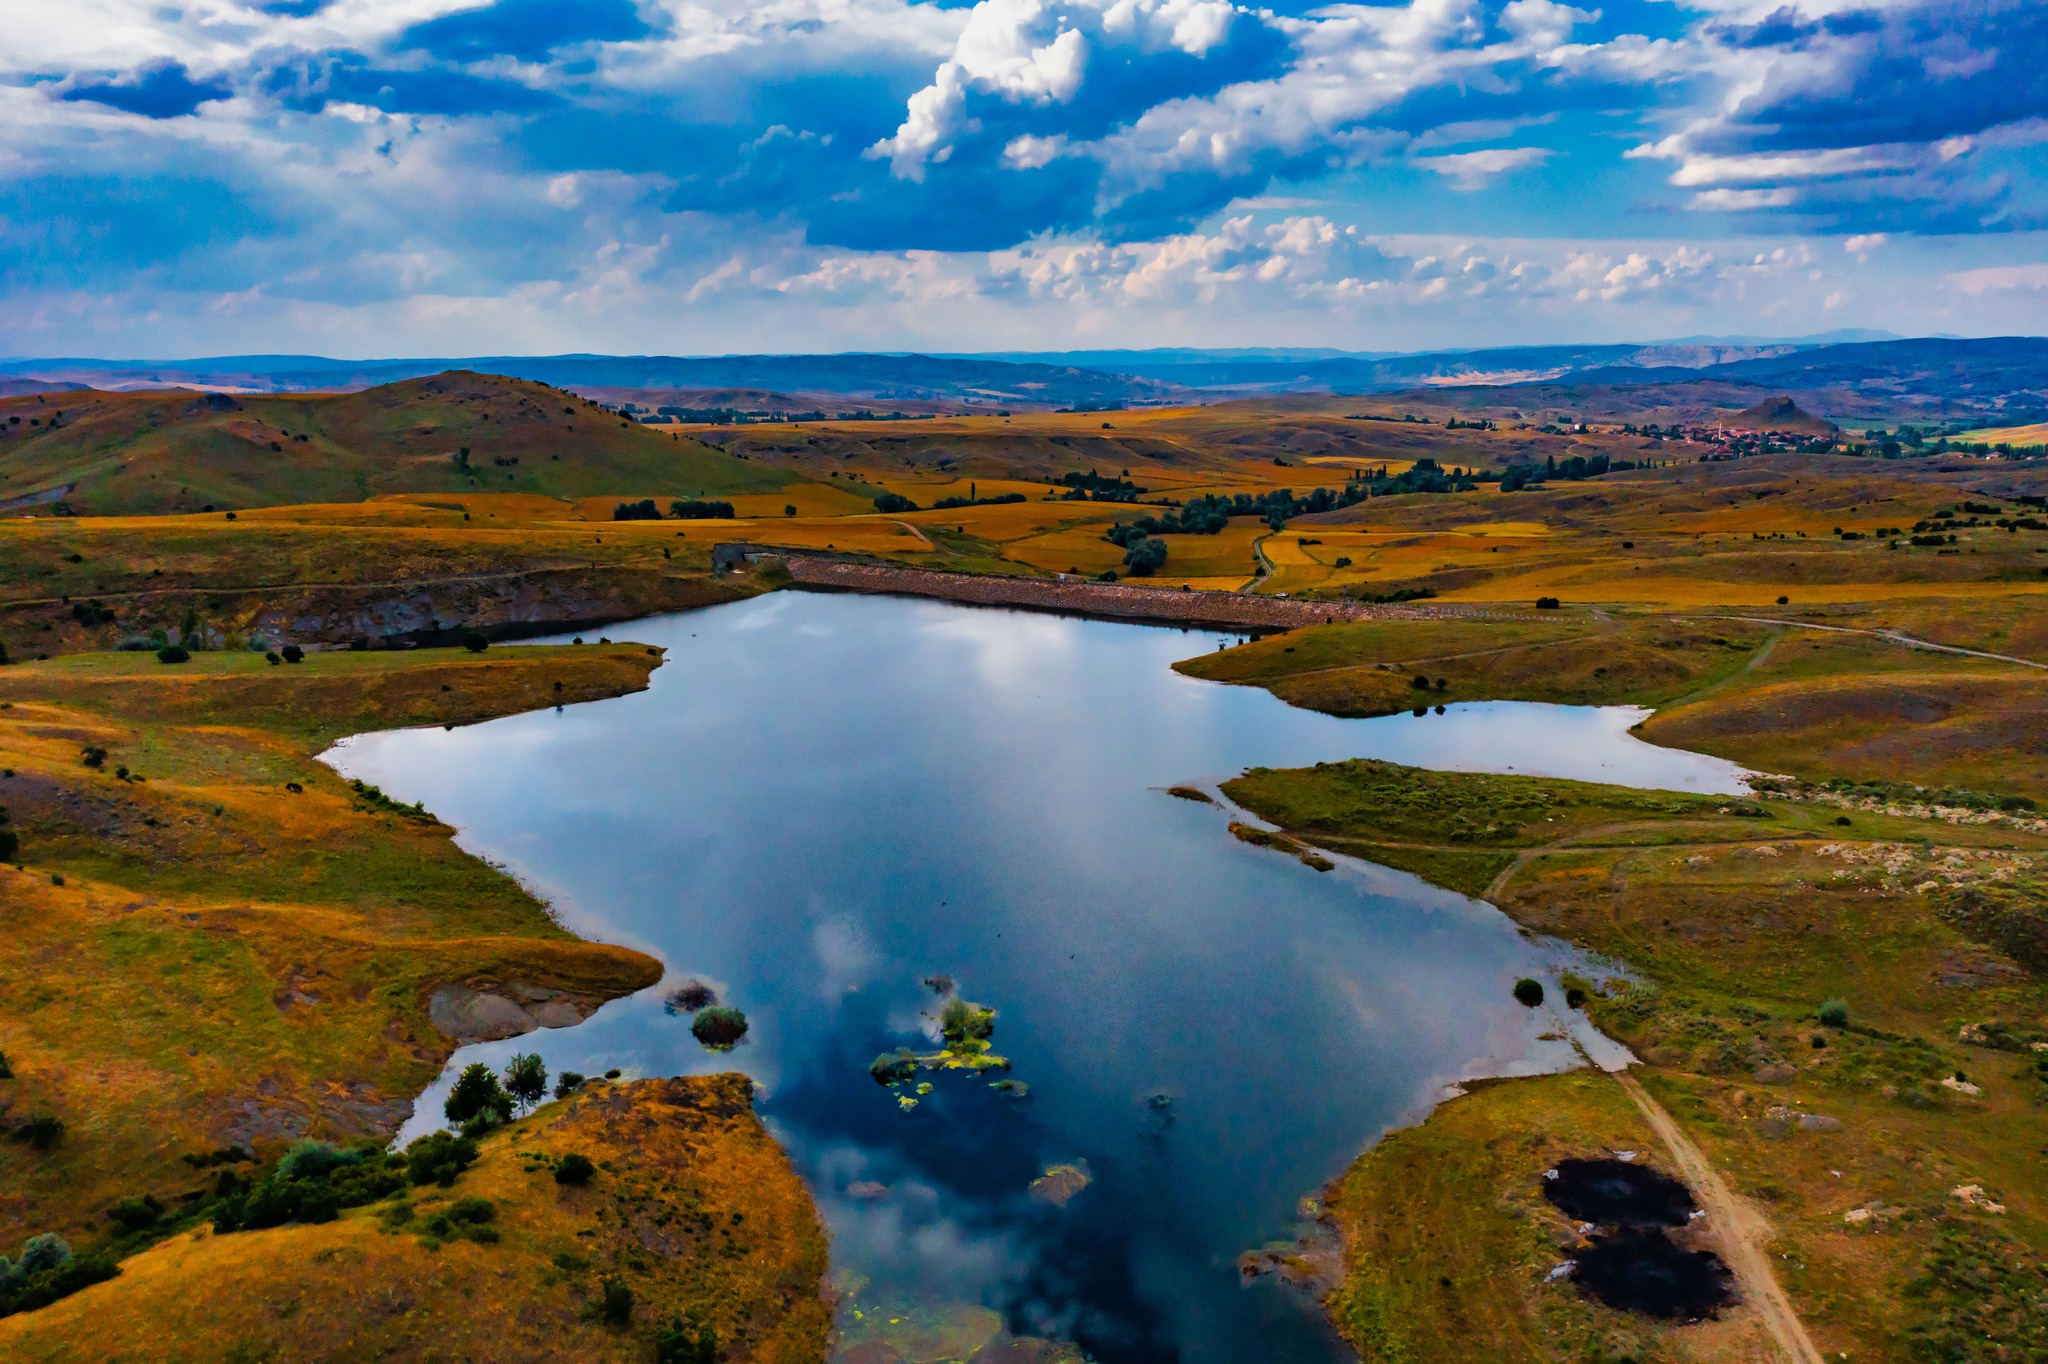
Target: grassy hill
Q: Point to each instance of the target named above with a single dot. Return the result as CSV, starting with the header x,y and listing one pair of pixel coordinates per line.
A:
x,y
459,432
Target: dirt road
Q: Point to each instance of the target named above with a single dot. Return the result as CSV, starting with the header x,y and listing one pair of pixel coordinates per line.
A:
x,y
1742,1232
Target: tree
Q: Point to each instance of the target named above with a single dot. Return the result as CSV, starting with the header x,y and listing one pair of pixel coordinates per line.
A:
x,y
526,1080
1145,557
894,503
172,653
477,1097
643,510
1528,992
293,653
474,641
574,1168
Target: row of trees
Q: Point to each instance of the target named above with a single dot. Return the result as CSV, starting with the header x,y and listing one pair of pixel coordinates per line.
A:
x,y
682,509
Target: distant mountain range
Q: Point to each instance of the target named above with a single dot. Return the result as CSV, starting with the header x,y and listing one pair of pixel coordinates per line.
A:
x,y
1934,377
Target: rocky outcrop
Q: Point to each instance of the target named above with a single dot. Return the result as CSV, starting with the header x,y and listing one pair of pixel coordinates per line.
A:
x,y
466,1014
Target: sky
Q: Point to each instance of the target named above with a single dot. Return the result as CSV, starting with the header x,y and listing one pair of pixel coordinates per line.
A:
x,y
437,177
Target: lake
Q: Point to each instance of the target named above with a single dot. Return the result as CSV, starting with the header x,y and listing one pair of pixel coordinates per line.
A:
x,y
824,800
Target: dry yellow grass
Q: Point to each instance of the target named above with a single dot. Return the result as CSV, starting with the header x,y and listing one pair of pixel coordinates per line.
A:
x,y
694,1208
196,955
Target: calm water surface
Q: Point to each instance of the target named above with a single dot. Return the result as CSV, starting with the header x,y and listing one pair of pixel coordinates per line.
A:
x,y
823,800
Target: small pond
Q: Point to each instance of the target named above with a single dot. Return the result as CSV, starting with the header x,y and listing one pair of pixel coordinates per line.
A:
x,y
824,800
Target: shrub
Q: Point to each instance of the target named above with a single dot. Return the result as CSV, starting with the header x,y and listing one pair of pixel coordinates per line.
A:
x,y
574,1169
675,1343
42,1132
314,1160
1547,604
894,1067
172,653
477,1097
136,1214
526,1080
1835,1013
614,1305
567,1083
94,757
438,1158
690,996
1419,682
41,1254
10,848
474,641
272,657
6,1070
293,653
472,1211
963,1020
894,503
1528,993
1574,997
719,1026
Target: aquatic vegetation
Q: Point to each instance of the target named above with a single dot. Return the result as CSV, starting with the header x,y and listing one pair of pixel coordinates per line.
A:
x,y
966,1028
689,997
894,1067
719,1027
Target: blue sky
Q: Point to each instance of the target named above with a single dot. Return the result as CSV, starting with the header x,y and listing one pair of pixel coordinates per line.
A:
x,y
392,177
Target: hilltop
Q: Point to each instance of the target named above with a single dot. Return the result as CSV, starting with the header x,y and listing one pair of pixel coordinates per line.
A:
x,y
1782,414
154,452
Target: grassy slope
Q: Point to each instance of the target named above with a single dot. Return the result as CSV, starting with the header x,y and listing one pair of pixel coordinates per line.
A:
x,y
1738,927
695,1208
164,452
227,960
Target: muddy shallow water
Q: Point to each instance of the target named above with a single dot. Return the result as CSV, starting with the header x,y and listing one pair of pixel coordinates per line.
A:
x,y
823,800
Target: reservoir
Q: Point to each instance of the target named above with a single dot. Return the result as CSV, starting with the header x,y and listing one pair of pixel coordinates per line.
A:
x,y
822,802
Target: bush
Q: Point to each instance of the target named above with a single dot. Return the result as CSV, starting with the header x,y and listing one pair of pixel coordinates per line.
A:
x,y
567,1083
438,1158
690,996
172,653
10,848
314,1160
894,503
574,1169
614,1305
1547,604
1835,1013
1528,993
6,1070
1574,997
719,1026
894,1067
474,641
272,657
472,1211
477,1097
136,1214
675,1343
293,653
1145,557
42,1132
1419,682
